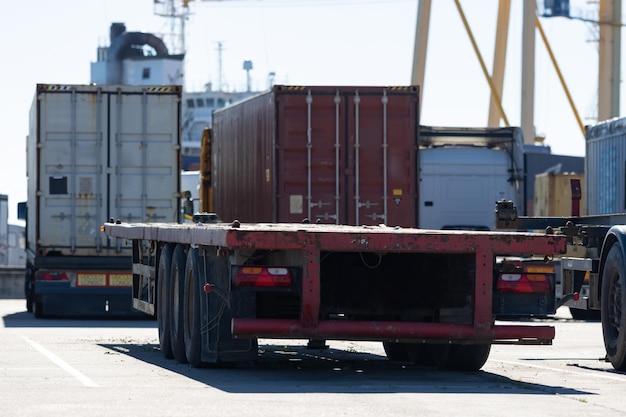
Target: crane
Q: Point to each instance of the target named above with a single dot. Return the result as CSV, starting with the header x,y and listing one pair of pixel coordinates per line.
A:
x,y
177,13
609,22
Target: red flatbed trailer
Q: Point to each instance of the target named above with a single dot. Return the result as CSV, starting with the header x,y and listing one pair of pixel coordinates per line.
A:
x,y
431,296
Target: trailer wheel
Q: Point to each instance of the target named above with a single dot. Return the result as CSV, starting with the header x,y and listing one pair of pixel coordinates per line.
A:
x,y
38,309
421,354
192,313
613,311
163,307
461,357
396,351
177,286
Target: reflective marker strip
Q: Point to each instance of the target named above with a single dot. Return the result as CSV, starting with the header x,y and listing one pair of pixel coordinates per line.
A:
x,y
61,363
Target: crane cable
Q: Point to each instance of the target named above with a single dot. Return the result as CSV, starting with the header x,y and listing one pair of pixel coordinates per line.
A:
x,y
558,71
494,92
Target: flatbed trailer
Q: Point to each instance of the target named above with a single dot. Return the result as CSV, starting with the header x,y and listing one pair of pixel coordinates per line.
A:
x,y
593,270
431,296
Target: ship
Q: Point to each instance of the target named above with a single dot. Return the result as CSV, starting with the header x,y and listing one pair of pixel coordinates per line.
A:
x,y
197,109
141,58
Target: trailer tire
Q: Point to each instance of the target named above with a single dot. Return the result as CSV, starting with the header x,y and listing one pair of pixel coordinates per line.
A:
x,y
163,306
29,283
421,354
396,351
613,309
192,312
468,358
177,286
38,309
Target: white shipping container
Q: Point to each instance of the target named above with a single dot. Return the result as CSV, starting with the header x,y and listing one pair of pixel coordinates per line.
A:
x,y
97,152
459,186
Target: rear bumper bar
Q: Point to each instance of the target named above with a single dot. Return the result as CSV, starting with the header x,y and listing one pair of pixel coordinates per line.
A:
x,y
376,330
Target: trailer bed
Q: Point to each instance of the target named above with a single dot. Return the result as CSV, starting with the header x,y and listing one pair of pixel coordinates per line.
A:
x,y
402,286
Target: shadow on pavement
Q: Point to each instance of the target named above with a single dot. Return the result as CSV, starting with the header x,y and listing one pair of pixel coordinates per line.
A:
x,y
297,369
26,319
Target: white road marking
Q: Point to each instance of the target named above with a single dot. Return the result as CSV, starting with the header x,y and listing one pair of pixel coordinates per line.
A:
x,y
61,363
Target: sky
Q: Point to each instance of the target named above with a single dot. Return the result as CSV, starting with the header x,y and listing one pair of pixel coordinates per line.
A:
x,y
307,42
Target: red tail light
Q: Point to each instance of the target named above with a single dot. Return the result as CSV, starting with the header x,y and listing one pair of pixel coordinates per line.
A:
x,y
524,283
51,276
262,276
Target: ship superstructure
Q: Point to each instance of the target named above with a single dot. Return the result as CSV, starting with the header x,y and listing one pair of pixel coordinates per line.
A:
x,y
140,58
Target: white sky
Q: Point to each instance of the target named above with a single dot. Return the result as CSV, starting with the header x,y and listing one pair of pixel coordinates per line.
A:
x,y
306,42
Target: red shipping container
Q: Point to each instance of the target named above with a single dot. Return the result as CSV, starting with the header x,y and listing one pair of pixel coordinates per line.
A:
x,y
343,155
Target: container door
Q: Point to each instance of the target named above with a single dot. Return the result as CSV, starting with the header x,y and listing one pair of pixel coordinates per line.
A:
x,y
311,157
460,185
381,166
70,157
347,155
146,175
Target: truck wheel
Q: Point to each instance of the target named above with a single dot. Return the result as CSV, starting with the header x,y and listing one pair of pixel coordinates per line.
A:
x,y
163,307
38,309
396,351
193,337
177,286
613,311
28,288
461,357
421,354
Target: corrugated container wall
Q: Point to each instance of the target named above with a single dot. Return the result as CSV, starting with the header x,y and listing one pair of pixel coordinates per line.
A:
x,y
97,152
605,167
344,155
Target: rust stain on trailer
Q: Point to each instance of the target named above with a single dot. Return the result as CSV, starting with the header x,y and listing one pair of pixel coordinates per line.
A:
x,y
361,241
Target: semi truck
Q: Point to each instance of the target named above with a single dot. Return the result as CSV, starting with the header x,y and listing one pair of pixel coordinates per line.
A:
x,y
594,266
314,237
95,152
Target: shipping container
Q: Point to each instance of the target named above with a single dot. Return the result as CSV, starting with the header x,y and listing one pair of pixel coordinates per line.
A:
x,y
538,160
605,167
554,195
342,155
464,171
95,152
12,255
460,185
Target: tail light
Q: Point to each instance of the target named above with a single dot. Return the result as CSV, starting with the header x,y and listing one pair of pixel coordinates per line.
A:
x,y
262,276
524,283
51,276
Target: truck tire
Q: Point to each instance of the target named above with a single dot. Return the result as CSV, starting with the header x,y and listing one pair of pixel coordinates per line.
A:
x,y
613,309
396,351
163,306
192,313
466,358
38,309
176,302
421,354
